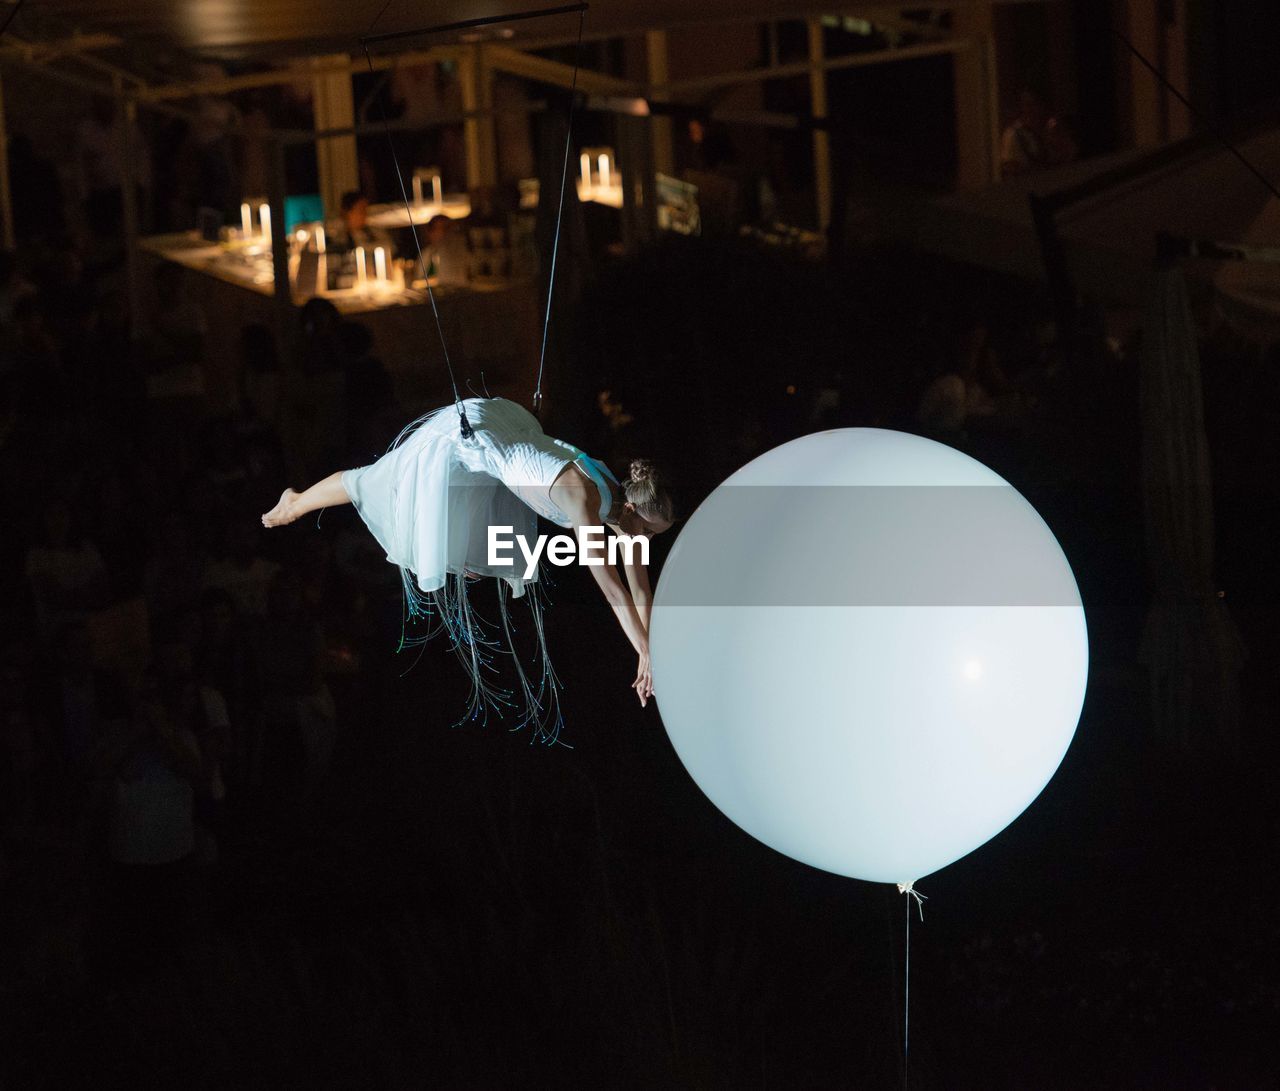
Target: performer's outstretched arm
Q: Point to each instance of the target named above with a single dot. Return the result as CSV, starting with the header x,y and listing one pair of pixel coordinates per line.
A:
x,y
641,594
579,510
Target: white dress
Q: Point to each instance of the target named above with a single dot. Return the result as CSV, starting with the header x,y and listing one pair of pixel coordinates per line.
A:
x,y
430,500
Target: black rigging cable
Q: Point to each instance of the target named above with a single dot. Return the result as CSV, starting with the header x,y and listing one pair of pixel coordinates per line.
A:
x,y
1212,130
463,423
365,41
555,243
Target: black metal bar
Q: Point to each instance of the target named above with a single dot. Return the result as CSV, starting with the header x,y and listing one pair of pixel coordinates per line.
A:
x,y
1062,288
12,15
471,24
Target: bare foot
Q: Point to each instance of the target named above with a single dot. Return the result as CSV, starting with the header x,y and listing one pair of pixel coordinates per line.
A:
x,y
284,512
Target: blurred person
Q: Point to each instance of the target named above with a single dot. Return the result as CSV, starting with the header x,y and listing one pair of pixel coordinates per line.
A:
x,y
444,247
175,342
37,362
1062,144
351,229
312,412
1023,142
226,661
36,193
66,572
513,133
99,149
83,703
254,144
298,705
25,760
153,771
203,709
174,576
223,458
13,287
260,372
368,392
212,147
173,353
119,519
977,391
243,573
421,94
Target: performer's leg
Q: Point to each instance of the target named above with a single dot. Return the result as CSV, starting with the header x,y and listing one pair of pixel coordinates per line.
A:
x,y
328,493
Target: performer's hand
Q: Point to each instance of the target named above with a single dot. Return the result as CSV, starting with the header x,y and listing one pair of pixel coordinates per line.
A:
x,y
643,685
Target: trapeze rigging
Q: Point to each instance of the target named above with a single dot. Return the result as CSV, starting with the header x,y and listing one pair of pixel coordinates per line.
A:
x,y
430,500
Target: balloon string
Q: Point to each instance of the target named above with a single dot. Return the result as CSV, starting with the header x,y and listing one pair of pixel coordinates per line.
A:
x,y
908,888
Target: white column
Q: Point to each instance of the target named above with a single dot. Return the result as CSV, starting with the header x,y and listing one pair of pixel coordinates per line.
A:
x,y
478,132
976,97
655,43
333,104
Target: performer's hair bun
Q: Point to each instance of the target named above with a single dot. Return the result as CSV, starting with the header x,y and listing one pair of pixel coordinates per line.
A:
x,y
642,471
646,488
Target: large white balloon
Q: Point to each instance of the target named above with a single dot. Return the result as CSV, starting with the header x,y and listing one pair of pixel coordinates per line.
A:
x,y
869,651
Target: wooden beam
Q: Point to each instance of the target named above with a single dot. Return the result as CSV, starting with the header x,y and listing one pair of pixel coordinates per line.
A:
x,y
803,68
309,136
506,59
893,19
6,194
43,52
297,73
18,58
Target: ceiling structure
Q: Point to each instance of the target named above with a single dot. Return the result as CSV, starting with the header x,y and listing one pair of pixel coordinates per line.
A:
x,y
281,29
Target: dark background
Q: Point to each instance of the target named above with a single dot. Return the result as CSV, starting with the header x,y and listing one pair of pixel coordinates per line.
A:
x,y
439,904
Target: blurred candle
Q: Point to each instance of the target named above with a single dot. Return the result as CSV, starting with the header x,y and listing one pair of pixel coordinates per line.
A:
x,y
361,273
319,238
437,192
246,220
586,171
380,264
264,221
604,172
417,189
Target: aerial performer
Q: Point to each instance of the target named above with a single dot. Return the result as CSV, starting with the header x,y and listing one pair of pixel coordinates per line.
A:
x,y
431,499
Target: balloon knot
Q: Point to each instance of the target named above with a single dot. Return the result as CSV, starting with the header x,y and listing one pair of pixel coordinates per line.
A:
x,y
910,888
